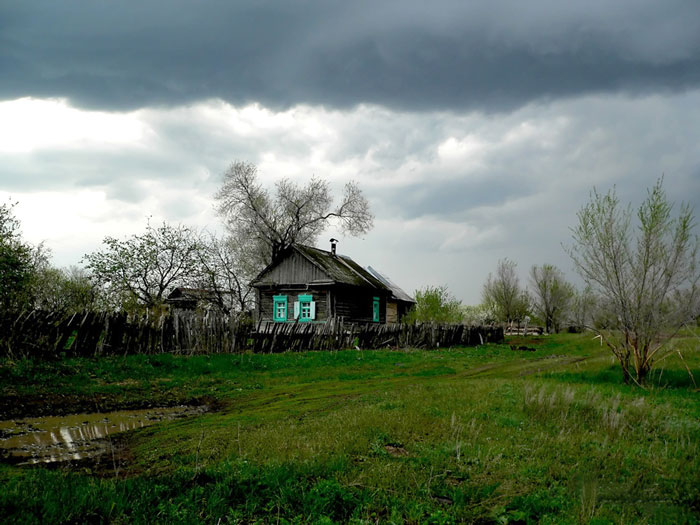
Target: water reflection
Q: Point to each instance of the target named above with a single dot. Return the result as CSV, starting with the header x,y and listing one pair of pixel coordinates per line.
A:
x,y
77,436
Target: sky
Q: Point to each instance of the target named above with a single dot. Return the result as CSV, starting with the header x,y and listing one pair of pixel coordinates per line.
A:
x,y
476,129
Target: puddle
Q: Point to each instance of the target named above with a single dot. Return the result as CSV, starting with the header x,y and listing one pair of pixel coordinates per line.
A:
x,y
77,436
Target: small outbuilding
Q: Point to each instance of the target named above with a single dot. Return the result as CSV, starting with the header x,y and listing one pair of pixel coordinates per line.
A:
x,y
182,298
310,285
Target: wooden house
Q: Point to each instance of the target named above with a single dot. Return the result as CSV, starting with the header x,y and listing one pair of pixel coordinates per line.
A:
x,y
311,285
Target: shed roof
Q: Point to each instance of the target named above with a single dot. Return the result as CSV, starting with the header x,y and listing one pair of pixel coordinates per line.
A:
x,y
182,293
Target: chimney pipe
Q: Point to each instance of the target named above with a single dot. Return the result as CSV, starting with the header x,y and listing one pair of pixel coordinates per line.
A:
x,y
333,243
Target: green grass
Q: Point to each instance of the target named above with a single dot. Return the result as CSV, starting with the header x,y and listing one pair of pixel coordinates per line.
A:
x,y
481,434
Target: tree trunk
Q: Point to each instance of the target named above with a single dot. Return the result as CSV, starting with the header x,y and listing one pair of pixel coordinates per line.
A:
x,y
642,372
625,364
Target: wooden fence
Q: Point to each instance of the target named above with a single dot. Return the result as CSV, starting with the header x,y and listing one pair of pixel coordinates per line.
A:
x,y
276,337
51,335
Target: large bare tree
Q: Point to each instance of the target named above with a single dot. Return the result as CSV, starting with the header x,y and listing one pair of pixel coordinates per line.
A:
x,y
552,295
646,276
272,223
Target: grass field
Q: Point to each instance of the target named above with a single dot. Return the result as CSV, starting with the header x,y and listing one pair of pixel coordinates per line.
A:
x,y
484,435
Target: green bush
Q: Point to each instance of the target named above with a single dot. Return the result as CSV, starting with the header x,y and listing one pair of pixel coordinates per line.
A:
x,y
435,304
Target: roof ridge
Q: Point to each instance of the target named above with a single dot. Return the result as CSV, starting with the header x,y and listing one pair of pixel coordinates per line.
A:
x,y
343,259
340,257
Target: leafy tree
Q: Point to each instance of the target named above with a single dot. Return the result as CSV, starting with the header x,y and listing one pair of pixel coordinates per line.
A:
x,y
552,295
647,277
68,290
502,295
295,214
583,309
435,304
17,263
145,267
27,279
475,315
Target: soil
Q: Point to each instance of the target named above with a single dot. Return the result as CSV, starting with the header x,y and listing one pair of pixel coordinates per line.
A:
x,y
13,406
117,461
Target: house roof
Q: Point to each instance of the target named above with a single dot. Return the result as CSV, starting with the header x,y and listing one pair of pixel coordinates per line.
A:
x,y
397,292
341,269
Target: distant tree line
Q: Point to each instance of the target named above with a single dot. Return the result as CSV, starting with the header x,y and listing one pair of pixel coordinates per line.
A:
x,y
641,282
27,279
550,301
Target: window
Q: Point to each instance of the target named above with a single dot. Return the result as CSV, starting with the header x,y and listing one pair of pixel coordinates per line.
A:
x,y
279,308
375,309
305,309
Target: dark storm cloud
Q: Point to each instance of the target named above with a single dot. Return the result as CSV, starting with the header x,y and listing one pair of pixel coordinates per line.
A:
x,y
467,55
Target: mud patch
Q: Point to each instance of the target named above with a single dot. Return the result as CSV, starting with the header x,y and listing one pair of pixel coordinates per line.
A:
x,y
22,406
522,348
396,451
78,436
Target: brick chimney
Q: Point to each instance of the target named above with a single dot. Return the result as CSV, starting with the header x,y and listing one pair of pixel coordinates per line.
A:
x,y
333,243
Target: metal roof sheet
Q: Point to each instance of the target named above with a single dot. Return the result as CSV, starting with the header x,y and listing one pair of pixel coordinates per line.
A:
x,y
396,291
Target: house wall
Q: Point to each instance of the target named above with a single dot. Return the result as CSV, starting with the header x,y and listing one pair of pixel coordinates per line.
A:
x,y
392,313
265,302
396,310
354,304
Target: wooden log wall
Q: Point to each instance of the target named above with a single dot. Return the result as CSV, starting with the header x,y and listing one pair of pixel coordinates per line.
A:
x,y
49,335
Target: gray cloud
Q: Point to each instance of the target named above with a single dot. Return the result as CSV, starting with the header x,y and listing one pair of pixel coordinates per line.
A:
x,y
466,55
